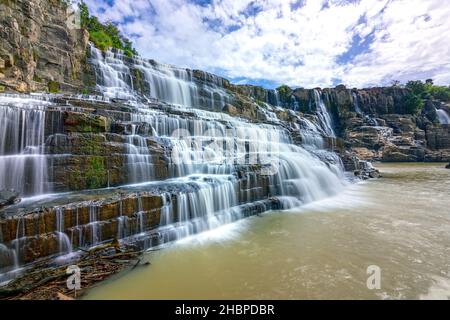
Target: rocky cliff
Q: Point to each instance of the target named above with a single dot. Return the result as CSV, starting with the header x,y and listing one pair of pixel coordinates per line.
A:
x,y
41,48
373,123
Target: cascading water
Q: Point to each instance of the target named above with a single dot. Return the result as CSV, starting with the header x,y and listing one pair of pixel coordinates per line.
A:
x,y
443,116
165,83
219,168
140,166
23,166
356,103
65,245
323,114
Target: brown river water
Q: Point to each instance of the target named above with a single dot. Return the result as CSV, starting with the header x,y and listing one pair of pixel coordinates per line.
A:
x,y
400,223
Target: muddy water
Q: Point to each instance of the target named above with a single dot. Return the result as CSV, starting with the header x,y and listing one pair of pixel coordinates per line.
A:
x,y
400,223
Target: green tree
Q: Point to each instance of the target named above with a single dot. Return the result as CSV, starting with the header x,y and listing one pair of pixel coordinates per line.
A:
x,y
440,93
413,103
416,87
284,90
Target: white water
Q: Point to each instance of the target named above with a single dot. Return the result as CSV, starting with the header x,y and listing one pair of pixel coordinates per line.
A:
x,y
356,103
65,245
323,114
23,166
444,118
165,83
205,148
139,164
207,152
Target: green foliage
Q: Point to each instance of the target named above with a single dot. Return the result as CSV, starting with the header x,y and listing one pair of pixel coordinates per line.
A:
x,y
418,88
53,86
440,93
2,88
413,103
428,90
284,91
96,175
101,40
85,91
104,36
128,48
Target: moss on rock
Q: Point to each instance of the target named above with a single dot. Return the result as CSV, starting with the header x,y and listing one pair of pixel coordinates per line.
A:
x,y
96,173
53,86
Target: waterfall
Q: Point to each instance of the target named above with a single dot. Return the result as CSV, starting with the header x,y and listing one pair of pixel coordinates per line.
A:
x,y
356,103
444,118
323,114
206,203
216,168
95,226
65,245
23,166
139,164
277,97
311,134
164,82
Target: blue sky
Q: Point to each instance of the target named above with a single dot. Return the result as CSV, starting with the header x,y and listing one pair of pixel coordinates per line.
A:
x,y
302,43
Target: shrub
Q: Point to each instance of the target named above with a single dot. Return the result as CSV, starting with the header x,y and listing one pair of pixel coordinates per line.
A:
x,y
101,40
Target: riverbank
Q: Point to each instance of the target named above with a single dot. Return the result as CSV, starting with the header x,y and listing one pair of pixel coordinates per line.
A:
x,y
320,251
68,277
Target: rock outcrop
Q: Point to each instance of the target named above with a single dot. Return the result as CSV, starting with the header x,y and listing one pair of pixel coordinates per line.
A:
x,y
8,197
41,48
373,123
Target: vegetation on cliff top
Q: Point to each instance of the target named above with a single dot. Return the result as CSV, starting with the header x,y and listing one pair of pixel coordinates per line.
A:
x,y
427,90
104,36
418,91
284,90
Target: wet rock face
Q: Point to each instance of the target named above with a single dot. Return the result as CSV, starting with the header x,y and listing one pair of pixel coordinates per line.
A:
x,y
36,230
8,197
40,49
115,215
373,122
375,126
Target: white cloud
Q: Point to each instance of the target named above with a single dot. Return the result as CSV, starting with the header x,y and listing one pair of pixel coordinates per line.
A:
x,y
302,47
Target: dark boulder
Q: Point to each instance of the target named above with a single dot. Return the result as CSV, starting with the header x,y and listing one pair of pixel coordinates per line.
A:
x,y
429,110
8,197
